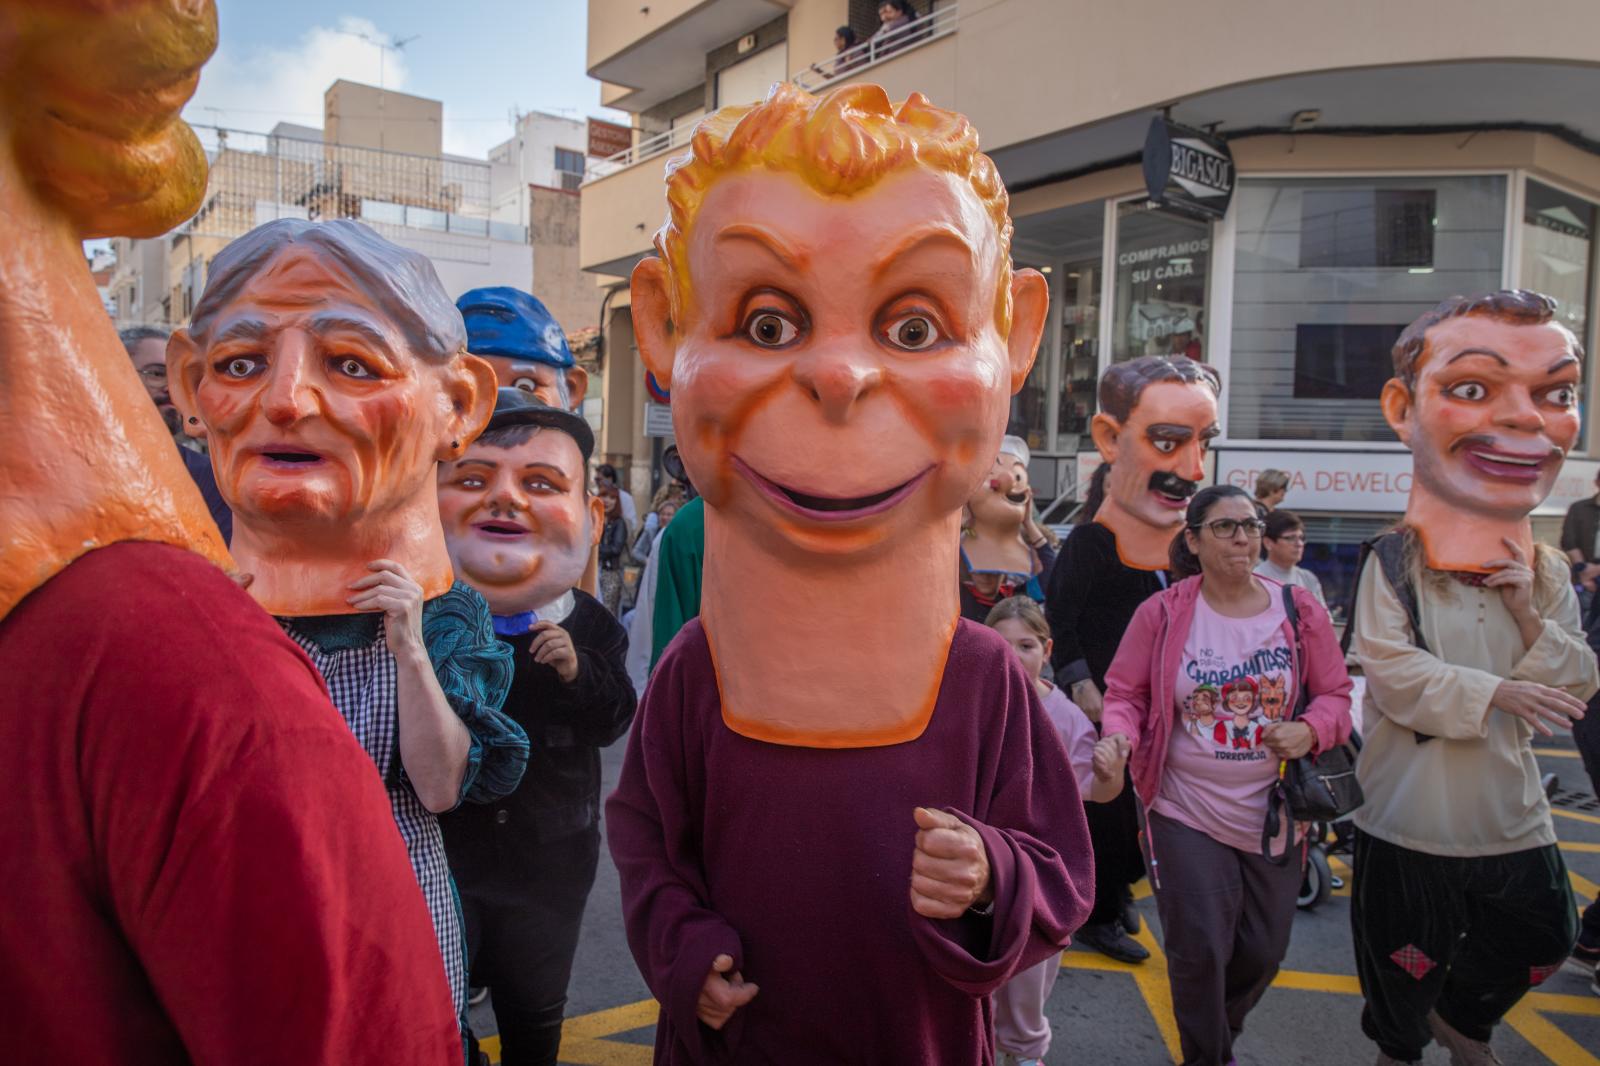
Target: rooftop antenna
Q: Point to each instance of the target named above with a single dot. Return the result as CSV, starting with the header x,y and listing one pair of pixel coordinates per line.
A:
x,y
396,44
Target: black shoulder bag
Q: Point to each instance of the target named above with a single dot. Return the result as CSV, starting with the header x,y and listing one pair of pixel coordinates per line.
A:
x,y
1312,788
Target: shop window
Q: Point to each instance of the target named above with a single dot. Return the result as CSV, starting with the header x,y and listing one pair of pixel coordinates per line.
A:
x,y
1365,227
1333,551
1326,273
1335,360
1053,409
1558,257
1163,274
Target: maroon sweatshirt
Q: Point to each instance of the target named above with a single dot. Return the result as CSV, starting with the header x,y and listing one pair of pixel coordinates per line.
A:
x,y
797,863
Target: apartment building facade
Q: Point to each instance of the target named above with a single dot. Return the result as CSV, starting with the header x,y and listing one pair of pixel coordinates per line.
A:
x,y
1350,166
379,159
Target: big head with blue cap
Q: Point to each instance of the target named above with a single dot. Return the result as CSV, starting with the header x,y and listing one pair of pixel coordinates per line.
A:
x,y
525,345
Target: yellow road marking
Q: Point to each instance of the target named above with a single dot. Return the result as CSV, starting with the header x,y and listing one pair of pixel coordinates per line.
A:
x,y
1558,753
584,1039
1305,981
1548,1040
1342,870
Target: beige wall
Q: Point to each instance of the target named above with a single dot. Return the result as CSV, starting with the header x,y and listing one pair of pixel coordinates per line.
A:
x,y
615,25
1022,69
811,26
565,289
622,385
622,211
368,117
1030,67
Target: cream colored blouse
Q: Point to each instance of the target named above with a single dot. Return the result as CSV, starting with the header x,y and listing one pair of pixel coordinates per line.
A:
x,y
1474,788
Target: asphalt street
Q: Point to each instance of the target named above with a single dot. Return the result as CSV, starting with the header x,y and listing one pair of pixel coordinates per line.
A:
x,y
1108,1013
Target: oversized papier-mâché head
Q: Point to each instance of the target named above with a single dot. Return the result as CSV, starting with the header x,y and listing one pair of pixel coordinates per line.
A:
x,y
835,313
1485,394
518,517
1158,414
90,146
327,369
525,344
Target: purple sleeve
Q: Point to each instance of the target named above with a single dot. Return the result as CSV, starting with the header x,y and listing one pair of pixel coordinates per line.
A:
x,y
652,828
1040,861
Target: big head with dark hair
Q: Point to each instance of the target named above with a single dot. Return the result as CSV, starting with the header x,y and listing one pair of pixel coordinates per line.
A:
x,y
516,509
1157,417
1485,394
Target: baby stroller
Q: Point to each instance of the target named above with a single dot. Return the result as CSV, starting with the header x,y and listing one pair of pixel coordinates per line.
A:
x,y
1322,840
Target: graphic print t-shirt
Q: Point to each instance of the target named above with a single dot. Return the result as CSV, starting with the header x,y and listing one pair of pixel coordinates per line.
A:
x,y
1235,677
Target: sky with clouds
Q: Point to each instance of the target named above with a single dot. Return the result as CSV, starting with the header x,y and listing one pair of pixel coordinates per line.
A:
x,y
482,58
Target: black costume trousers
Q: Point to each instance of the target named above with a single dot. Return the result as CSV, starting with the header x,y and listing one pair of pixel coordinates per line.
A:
x,y
1466,937
1586,734
523,921
1118,862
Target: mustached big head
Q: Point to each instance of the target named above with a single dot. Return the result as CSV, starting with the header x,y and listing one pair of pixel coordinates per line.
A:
x,y
1157,417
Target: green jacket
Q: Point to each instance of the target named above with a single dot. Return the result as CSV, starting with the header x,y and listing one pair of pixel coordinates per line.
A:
x,y
683,552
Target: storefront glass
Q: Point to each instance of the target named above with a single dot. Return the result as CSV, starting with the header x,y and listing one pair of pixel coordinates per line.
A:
x,y
1080,350
1327,273
1054,407
1558,256
1163,269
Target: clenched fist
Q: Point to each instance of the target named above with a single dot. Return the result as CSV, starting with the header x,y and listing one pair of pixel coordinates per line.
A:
x,y
949,868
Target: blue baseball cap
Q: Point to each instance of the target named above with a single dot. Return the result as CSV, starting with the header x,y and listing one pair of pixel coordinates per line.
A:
x,y
511,323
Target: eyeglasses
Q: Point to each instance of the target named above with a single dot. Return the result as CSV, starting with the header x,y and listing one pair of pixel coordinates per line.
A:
x,y
154,372
1225,528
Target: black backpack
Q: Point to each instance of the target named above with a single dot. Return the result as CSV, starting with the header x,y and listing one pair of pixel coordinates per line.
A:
x,y
1390,550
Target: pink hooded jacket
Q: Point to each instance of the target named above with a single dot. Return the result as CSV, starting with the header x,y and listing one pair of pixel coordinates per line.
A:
x,y
1139,685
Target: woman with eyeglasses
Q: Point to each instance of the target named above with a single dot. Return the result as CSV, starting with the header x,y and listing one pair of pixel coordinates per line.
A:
x,y
1285,544
1226,908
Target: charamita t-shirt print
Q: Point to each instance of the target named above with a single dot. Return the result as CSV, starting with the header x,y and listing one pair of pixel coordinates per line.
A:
x,y
1235,677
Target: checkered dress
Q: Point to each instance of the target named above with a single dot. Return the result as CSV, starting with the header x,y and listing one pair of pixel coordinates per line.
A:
x,y
361,682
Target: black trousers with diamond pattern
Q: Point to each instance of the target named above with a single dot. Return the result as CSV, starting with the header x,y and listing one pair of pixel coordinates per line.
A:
x,y
1466,937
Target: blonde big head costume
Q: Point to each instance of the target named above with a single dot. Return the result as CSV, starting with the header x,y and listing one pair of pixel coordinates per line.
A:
x,y
836,315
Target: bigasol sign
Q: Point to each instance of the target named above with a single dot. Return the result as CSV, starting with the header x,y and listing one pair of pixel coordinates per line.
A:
x,y
1187,170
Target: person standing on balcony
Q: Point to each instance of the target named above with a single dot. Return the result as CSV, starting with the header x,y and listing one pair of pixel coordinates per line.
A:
x,y
844,39
893,18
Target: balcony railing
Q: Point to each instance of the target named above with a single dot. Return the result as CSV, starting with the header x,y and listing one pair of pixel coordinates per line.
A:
x,y
880,46
649,148
849,63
